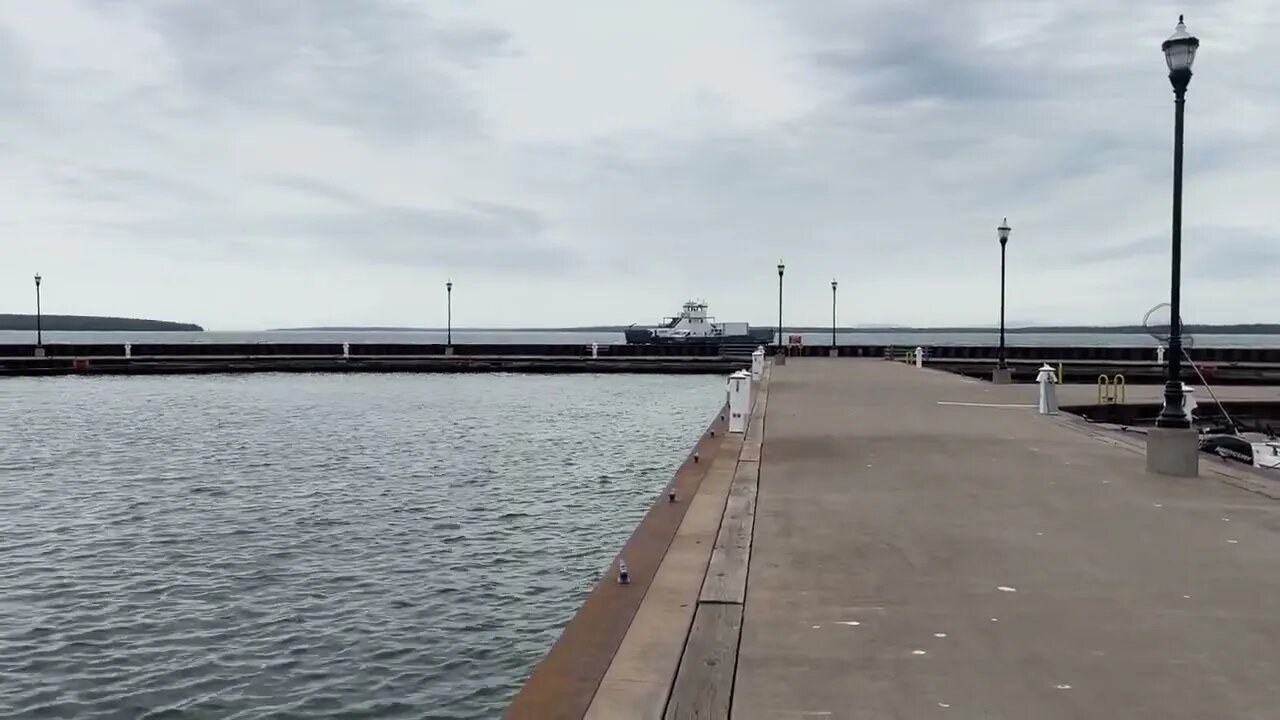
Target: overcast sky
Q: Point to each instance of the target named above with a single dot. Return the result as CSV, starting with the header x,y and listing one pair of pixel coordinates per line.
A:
x,y
257,163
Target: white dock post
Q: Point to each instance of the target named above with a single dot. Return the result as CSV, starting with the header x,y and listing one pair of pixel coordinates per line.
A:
x,y
739,401
919,357
595,350
757,363
346,351
1159,354
128,351
1188,402
1048,390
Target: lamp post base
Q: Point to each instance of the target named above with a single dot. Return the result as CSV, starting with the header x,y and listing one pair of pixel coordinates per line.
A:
x,y
1001,376
448,349
1173,451
834,352
780,359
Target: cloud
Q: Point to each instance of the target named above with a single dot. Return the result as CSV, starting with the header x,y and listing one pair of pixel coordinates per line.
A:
x,y
580,163
1208,251
343,225
912,52
319,189
377,69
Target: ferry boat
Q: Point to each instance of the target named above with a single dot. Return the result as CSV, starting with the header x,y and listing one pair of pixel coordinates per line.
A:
x,y
694,326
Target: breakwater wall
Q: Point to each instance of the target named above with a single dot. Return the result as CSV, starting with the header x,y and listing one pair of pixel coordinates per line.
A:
x,y
937,352
34,367
1080,364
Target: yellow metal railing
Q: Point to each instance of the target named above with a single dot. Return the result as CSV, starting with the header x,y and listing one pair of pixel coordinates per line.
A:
x,y
1111,389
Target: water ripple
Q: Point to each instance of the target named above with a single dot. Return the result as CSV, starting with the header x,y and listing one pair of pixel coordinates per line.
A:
x,y
313,546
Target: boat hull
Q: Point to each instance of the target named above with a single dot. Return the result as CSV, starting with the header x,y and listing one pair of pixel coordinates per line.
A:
x,y
645,336
1242,450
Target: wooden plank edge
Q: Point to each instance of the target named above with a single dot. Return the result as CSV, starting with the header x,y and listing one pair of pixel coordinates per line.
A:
x,y
726,576
703,687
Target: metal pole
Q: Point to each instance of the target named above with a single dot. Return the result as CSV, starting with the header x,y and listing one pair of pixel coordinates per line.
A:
x,y
780,271
39,319
1172,415
1003,364
833,313
449,314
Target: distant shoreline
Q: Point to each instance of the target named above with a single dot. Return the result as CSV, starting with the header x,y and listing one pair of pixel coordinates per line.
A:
x,y
1242,329
92,323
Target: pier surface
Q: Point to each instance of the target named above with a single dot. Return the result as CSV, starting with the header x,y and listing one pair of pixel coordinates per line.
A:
x,y
914,544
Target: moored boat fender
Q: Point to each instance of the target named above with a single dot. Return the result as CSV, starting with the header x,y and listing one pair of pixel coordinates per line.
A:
x,y
1228,447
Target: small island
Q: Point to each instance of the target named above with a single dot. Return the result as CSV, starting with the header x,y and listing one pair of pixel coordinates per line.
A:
x,y
92,323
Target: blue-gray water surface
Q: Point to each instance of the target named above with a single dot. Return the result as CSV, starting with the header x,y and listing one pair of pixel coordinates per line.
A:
x,y
313,546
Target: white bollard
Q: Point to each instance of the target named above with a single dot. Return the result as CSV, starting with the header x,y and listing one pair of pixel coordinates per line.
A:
x,y
1189,402
346,351
739,401
1159,354
919,357
757,363
595,350
128,350
1048,390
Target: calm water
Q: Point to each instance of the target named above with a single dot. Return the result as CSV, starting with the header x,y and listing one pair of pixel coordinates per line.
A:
x,y
475,336
313,546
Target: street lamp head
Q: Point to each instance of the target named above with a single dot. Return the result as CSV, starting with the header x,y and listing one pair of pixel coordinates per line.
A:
x,y
1004,230
448,285
833,286
781,268
1180,53
37,279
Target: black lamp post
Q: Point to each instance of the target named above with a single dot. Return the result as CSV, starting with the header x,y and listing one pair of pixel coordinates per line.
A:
x,y
448,289
39,321
833,314
1179,53
781,269
1003,231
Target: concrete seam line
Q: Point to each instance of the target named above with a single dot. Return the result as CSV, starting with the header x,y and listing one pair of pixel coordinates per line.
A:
x,y
746,588
684,647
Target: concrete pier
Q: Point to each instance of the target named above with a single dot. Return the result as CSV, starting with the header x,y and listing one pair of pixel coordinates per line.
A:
x,y
204,365
892,542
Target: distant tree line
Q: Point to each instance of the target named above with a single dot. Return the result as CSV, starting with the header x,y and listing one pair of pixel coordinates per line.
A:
x,y
91,322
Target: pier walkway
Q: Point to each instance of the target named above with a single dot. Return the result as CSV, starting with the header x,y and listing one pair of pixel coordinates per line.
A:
x,y
906,543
